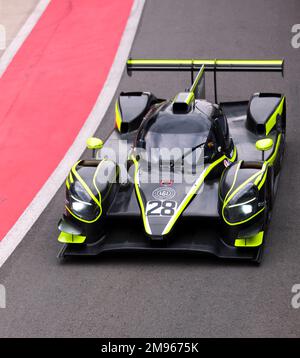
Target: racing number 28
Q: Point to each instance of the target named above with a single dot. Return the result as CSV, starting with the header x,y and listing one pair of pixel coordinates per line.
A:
x,y
161,208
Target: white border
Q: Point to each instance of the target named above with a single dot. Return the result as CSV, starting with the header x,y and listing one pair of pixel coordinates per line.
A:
x,y
47,192
25,30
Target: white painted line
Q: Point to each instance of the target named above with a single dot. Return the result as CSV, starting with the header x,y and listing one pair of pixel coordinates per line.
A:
x,y
47,192
25,30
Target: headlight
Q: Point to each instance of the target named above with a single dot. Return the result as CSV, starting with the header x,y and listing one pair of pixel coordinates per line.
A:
x,y
243,205
81,204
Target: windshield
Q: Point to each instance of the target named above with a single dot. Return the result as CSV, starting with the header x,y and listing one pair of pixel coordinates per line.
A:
x,y
179,134
183,131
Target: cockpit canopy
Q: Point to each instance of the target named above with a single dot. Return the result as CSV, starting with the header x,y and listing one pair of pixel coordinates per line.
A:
x,y
179,133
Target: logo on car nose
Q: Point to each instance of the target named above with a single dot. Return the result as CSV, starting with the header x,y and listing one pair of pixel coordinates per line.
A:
x,y
164,193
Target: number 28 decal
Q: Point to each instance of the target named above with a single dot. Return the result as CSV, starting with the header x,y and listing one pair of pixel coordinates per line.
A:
x,y
161,208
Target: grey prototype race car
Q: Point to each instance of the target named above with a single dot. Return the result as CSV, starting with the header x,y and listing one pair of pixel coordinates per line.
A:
x,y
213,194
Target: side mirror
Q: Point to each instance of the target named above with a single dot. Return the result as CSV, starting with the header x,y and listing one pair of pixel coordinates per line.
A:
x,y
141,143
94,144
263,145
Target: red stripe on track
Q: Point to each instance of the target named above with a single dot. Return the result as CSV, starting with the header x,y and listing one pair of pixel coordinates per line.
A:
x,y
49,90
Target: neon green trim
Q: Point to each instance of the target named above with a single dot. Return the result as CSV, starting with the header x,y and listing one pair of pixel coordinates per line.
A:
x,y
197,79
260,180
83,220
83,183
234,179
243,221
194,189
71,178
67,238
190,98
241,186
272,158
252,241
118,116
264,144
138,193
227,200
67,183
272,120
249,62
88,190
203,61
95,175
259,186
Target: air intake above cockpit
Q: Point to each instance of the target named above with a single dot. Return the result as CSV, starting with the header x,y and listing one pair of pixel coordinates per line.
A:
x,y
183,102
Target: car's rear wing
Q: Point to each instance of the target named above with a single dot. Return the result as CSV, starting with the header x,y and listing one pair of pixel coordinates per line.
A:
x,y
212,65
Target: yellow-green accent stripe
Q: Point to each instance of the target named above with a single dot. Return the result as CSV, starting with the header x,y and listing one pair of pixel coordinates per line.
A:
x,y
88,190
118,115
194,190
272,158
71,178
197,79
138,193
252,241
67,238
83,183
260,180
227,200
272,120
204,62
234,179
190,98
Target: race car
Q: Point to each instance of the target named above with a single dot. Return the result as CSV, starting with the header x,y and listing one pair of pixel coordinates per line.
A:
x,y
181,174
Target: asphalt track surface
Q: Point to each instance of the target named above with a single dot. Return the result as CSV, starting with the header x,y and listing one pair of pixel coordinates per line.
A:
x,y
154,296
